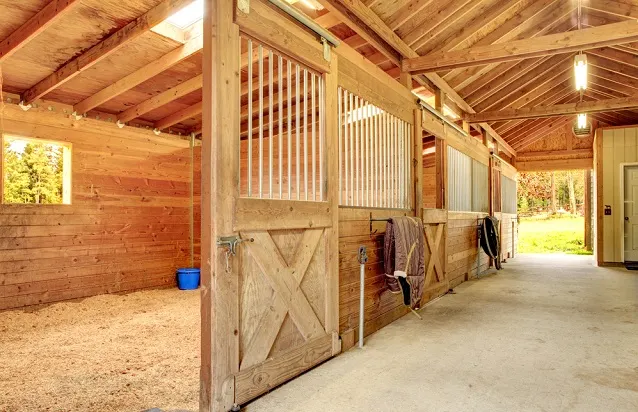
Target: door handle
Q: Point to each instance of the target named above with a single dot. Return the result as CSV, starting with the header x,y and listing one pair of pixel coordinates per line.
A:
x,y
627,218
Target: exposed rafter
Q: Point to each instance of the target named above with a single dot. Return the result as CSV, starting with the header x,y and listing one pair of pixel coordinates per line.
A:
x,y
607,35
104,48
51,13
141,75
557,110
161,99
179,116
363,20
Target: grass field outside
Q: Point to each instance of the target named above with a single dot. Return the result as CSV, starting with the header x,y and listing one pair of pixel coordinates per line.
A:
x,y
542,234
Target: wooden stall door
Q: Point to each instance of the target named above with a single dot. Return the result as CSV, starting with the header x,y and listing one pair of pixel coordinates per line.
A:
x,y
286,206
285,300
435,228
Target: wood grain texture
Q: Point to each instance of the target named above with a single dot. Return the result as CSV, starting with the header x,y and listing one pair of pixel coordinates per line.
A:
x,y
126,229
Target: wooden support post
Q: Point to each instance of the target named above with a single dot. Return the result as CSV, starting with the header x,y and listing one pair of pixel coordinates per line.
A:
x,y
439,100
598,175
466,127
332,143
441,173
418,164
406,80
220,177
587,210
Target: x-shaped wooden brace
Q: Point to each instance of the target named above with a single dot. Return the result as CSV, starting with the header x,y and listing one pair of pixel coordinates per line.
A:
x,y
288,297
434,265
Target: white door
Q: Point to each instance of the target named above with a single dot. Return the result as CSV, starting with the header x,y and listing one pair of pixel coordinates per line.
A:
x,y
631,214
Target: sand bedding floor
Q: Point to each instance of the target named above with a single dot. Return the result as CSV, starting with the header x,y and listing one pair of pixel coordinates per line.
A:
x,y
105,353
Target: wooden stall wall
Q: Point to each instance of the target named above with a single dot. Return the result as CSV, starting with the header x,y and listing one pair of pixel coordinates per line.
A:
x,y
509,234
464,257
127,227
429,181
359,76
381,306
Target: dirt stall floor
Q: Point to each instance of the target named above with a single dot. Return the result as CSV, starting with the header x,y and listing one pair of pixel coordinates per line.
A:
x,y
106,353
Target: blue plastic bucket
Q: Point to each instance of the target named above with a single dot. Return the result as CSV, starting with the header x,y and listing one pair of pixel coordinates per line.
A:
x,y
187,278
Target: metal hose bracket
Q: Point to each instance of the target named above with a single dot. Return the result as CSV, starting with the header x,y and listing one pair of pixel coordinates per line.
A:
x,y
362,257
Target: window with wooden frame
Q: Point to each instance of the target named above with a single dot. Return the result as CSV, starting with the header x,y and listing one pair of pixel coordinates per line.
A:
x,y
35,171
467,183
282,109
375,152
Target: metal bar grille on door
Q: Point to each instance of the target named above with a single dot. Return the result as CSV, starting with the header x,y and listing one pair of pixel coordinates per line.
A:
x,y
375,152
282,127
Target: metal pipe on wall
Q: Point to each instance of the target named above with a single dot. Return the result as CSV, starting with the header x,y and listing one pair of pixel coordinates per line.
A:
x,y
363,259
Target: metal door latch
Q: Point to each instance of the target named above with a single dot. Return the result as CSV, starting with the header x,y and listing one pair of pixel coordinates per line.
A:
x,y
230,243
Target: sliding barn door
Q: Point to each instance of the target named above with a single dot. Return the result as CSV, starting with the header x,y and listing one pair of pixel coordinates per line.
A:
x,y
278,259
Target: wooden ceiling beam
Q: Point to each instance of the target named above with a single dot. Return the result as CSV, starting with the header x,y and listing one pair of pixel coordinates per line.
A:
x,y
610,81
555,111
573,41
162,99
485,14
621,9
436,17
104,48
451,23
616,55
43,19
361,19
407,12
553,18
612,66
555,96
179,116
548,128
526,83
527,126
140,76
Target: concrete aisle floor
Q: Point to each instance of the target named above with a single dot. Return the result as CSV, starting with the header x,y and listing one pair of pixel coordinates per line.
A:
x,y
549,333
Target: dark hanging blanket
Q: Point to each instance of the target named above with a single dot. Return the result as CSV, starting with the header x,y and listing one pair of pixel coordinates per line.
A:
x,y
404,256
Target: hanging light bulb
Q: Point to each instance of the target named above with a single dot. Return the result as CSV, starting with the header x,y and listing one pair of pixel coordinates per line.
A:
x,y
582,121
580,71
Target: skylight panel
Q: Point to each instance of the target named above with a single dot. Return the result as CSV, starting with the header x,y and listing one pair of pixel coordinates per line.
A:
x,y
188,16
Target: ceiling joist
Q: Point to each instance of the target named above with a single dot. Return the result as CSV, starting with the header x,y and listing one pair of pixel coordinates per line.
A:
x,y
141,75
572,41
363,20
555,111
104,48
51,13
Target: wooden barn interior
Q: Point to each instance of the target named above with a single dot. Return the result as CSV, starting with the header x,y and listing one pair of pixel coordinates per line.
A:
x,y
265,142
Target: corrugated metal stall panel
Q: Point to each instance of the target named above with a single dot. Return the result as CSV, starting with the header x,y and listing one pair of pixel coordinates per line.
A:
x,y
459,181
509,195
480,190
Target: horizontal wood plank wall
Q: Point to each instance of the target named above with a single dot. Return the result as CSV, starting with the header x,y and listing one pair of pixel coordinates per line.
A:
x,y
429,181
381,306
126,229
509,225
359,76
462,247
